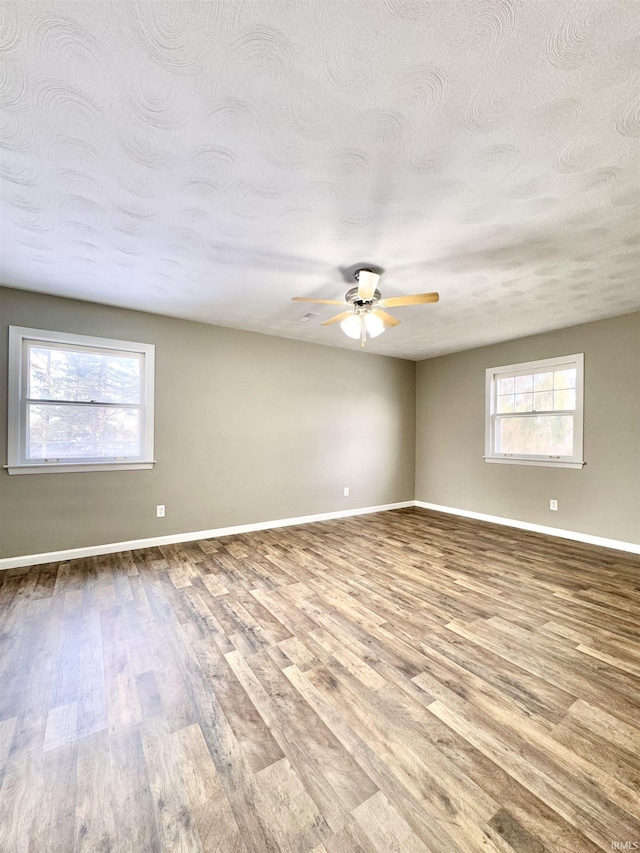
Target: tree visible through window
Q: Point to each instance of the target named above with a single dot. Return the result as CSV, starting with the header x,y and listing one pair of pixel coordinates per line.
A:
x,y
534,412
80,400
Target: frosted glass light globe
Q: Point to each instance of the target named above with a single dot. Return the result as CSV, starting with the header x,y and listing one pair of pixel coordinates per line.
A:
x,y
352,326
374,325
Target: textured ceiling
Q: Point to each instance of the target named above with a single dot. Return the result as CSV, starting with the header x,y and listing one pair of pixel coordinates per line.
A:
x,y
211,160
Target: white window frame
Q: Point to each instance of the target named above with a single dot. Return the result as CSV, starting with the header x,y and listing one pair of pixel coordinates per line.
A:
x,y
17,463
494,373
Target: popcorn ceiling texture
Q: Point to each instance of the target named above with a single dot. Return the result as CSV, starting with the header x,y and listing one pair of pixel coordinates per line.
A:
x,y
211,160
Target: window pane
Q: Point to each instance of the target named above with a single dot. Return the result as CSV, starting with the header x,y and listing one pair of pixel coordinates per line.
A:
x,y
506,385
540,435
71,432
524,383
565,399
524,402
565,378
506,403
543,400
83,375
543,381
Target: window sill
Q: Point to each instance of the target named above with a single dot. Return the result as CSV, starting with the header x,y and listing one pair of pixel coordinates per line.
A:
x,y
540,463
76,467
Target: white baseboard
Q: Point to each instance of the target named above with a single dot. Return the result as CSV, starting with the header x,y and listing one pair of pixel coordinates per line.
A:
x,y
114,547
632,547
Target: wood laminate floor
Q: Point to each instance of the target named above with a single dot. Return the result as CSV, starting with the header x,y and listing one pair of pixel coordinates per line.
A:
x,y
406,681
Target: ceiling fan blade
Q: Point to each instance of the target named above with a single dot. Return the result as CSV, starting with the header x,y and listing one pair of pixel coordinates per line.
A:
x,y
416,299
337,318
367,282
387,319
321,301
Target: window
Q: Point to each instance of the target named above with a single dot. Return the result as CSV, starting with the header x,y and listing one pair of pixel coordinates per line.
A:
x,y
78,403
534,412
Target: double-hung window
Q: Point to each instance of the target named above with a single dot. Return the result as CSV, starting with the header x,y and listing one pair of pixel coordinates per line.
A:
x,y
534,412
78,403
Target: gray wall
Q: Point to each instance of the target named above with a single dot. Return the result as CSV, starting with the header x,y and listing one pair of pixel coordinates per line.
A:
x,y
253,428
249,428
602,499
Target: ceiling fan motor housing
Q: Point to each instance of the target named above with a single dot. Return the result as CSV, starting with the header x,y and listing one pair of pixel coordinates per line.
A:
x,y
351,296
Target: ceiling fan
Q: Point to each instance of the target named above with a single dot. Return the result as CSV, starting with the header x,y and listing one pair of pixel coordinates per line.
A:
x,y
365,316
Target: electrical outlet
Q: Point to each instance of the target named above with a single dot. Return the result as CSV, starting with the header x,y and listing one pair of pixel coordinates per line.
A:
x,y
160,511
345,491
553,505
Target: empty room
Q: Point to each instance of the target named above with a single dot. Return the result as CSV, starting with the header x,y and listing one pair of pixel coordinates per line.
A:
x,y
320,426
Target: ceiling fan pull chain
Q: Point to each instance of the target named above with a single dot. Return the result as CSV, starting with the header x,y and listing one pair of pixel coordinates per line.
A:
x,y
363,331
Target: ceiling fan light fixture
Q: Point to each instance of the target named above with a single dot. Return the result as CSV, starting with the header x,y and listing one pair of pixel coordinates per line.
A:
x,y
362,323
